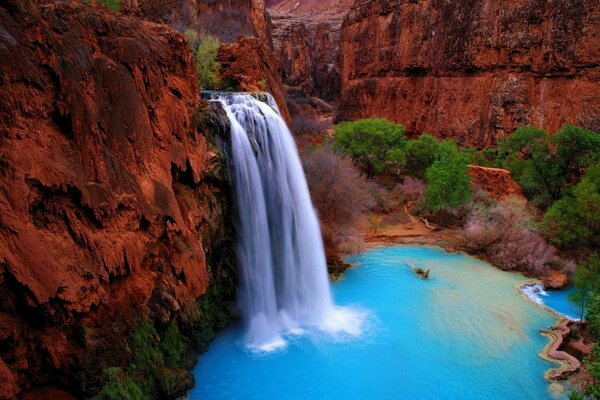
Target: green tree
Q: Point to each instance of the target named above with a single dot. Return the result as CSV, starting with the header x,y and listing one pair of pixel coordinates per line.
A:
x,y
375,145
574,220
206,49
544,164
587,298
587,284
421,154
449,184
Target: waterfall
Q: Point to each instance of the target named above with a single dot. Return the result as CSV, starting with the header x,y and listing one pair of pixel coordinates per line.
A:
x,y
283,274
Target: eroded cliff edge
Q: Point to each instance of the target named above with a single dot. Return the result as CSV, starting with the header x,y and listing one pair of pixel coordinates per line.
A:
x,y
472,70
113,199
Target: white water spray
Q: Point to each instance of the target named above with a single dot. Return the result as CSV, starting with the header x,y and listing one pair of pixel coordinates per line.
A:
x,y
283,273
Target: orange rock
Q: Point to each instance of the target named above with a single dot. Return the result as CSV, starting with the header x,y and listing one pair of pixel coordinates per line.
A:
x,y
103,204
554,279
497,182
251,66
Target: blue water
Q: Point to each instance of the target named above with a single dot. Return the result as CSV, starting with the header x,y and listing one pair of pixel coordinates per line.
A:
x,y
557,300
464,334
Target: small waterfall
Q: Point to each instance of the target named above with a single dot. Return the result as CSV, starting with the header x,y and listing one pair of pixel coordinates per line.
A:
x,y
283,274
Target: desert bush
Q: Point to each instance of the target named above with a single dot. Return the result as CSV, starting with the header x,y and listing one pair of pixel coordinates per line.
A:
x,y
411,188
375,145
306,122
503,231
340,194
206,49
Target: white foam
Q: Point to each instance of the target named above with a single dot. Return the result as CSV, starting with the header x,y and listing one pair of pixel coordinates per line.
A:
x,y
345,321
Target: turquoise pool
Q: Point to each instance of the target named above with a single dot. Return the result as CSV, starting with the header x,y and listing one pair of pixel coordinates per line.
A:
x,y
464,334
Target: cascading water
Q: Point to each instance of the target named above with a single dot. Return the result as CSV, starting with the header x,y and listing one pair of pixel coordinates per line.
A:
x,y
283,275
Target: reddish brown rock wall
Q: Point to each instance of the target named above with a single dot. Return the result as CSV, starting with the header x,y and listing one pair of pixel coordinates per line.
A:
x,y
248,65
473,70
306,38
226,19
109,199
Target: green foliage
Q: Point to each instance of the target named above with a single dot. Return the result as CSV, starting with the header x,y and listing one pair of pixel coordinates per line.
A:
x,y
587,283
544,164
574,220
206,49
587,286
375,145
449,183
173,346
421,153
114,5
144,348
120,387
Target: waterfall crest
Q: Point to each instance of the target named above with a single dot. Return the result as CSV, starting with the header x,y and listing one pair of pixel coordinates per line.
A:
x,y
283,273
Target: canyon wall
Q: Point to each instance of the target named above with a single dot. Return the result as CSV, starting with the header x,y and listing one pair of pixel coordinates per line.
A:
x,y
113,200
306,38
244,29
472,70
226,19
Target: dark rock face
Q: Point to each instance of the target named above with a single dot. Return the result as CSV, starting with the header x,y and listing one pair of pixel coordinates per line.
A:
x,y
306,38
473,70
226,19
112,202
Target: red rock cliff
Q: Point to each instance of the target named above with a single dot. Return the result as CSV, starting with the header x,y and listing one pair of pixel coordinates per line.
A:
x,y
109,200
473,70
242,25
306,38
226,19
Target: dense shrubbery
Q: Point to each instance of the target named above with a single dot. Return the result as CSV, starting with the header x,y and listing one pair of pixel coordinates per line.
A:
x,y
503,231
206,49
587,299
544,165
375,145
340,194
574,220
114,5
449,183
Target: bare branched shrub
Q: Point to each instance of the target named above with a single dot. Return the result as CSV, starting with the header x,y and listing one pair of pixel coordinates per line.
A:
x,y
307,122
412,188
340,194
503,232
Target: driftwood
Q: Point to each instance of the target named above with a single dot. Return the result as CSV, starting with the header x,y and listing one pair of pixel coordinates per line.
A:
x,y
429,225
421,273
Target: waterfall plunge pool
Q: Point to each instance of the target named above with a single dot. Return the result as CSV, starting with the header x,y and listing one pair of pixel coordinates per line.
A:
x,y
464,334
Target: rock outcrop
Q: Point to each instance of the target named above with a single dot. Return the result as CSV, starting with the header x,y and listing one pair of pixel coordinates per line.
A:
x,y
248,65
472,70
112,203
496,182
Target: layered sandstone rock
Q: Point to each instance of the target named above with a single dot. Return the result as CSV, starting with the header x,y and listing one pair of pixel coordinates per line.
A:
x,y
473,70
111,200
306,38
